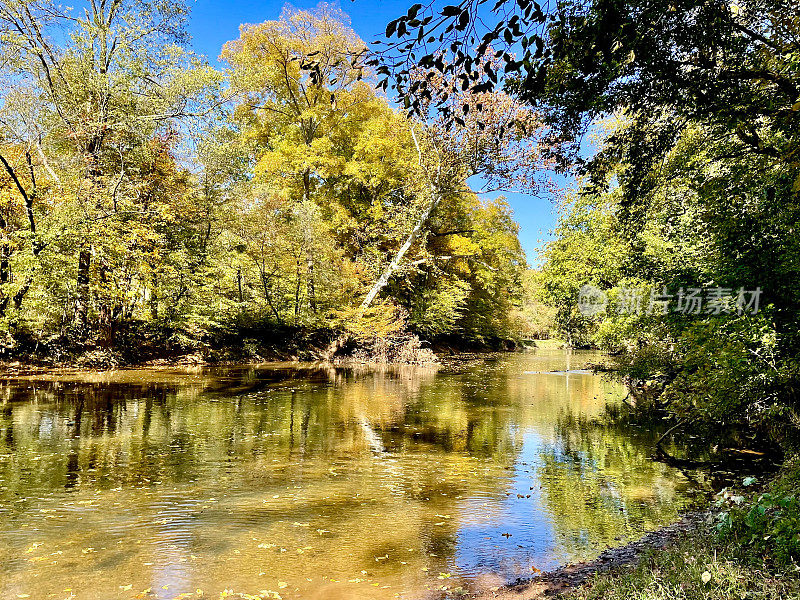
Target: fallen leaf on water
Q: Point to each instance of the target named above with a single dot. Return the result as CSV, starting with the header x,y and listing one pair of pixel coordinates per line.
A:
x,y
282,584
125,588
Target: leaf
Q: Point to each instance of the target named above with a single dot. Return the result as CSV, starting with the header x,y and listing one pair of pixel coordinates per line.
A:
x,y
706,577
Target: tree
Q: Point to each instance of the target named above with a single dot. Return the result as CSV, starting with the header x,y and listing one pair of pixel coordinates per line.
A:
x,y
328,144
88,92
317,138
728,63
726,376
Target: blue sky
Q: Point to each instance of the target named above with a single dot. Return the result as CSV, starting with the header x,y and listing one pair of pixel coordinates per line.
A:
x,y
214,22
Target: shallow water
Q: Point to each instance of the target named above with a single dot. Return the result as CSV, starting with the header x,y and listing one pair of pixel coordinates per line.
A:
x,y
316,482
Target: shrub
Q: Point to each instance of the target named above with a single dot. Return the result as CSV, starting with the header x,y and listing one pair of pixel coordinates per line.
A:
x,y
765,526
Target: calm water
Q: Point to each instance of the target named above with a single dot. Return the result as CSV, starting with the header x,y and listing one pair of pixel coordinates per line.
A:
x,y
315,482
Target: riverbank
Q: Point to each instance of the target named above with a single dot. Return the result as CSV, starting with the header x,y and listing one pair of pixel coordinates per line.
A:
x,y
745,546
154,346
568,578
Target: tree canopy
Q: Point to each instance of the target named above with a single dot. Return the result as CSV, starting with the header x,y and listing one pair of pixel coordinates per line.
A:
x,y
693,187
143,190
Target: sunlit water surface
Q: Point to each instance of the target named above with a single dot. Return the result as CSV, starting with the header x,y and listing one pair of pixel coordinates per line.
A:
x,y
316,482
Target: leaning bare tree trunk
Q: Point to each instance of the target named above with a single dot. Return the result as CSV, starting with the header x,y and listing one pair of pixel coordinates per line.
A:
x,y
398,257
390,269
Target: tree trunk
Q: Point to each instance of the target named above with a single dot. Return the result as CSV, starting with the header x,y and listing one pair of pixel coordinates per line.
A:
x,y
82,306
153,299
5,267
4,276
310,290
107,312
398,257
297,293
308,234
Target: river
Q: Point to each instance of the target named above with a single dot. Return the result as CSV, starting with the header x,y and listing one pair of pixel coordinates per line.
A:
x,y
304,481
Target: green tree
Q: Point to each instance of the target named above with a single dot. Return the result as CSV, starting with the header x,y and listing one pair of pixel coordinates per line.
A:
x,y
94,95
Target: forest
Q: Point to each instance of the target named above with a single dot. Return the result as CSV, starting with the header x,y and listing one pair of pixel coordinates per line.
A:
x,y
151,201
313,195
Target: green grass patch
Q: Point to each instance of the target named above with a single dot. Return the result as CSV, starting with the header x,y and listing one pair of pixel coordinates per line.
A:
x,y
695,568
752,551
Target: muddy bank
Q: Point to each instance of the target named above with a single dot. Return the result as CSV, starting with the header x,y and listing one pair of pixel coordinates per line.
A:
x,y
143,346
569,577
153,346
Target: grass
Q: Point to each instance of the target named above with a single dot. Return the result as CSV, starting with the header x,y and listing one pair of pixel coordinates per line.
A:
x,y
695,568
741,558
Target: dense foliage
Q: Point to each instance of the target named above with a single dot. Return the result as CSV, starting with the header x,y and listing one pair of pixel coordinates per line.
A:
x,y
140,188
694,187
708,223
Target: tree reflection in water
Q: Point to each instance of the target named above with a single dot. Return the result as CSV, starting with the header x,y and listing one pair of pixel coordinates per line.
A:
x,y
313,480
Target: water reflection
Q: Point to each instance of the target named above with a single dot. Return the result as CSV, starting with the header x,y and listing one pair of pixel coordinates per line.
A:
x,y
315,482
